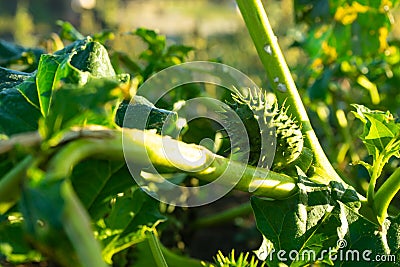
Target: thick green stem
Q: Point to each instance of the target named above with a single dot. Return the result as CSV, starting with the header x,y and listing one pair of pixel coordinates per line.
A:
x,y
10,184
144,148
385,194
278,72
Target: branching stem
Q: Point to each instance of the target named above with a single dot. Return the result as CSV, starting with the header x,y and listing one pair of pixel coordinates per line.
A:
x,y
385,194
283,84
145,148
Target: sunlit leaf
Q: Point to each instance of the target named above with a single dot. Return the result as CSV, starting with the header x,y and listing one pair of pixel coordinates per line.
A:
x,y
316,219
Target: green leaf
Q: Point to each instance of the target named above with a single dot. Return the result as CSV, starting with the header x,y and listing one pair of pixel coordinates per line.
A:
x,y
92,57
141,114
29,91
16,114
74,64
100,172
378,129
45,81
74,105
120,181
381,135
123,226
158,55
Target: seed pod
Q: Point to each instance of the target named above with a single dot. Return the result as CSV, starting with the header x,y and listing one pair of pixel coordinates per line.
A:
x,y
266,123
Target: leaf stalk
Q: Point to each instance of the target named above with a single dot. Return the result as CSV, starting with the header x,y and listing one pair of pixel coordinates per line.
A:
x,y
385,194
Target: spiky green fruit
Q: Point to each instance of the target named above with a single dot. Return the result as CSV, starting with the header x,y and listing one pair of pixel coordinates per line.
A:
x,y
268,127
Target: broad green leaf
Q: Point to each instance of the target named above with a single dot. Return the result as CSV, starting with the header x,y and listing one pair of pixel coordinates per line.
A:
x,y
123,226
141,113
29,91
74,105
93,58
121,181
381,134
378,129
288,224
16,114
45,81
74,64
100,172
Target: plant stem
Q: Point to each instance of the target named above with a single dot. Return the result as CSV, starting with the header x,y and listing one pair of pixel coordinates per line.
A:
x,y
374,176
385,194
283,84
10,184
76,223
224,216
146,148
179,260
155,248
23,139
379,162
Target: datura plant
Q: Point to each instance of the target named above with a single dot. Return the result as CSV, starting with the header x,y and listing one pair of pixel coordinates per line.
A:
x,y
68,198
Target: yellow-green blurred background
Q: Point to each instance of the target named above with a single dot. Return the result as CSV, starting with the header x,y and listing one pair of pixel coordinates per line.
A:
x,y
214,27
